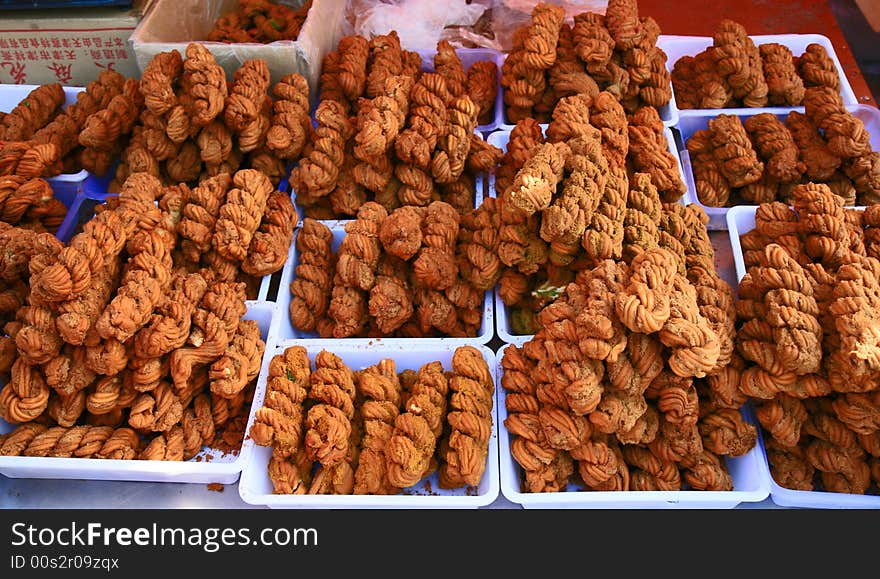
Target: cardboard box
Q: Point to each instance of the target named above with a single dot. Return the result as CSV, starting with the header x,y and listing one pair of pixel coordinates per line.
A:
x,y
172,24
70,46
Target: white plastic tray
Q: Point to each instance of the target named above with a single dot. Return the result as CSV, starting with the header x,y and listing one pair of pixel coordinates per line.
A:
x,y
678,46
691,123
287,331
741,220
256,488
751,480
208,466
12,94
500,139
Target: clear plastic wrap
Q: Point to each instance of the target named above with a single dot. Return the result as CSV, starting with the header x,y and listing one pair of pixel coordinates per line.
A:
x,y
465,24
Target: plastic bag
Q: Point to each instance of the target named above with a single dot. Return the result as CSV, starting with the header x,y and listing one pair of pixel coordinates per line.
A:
x,y
420,24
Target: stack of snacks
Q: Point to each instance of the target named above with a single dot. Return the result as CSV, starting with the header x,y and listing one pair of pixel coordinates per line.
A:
x,y
763,158
260,21
734,71
30,203
563,201
193,125
40,139
616,52
631,381
805,310
374,431
129,341
408,273
390,133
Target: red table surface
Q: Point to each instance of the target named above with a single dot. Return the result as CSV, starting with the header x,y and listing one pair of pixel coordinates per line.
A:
x,y
700,17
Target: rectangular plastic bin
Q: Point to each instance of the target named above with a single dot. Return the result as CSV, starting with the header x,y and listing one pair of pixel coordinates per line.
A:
x,y
741,220
255,487
287,331
678,46
751,480
210,465
697,120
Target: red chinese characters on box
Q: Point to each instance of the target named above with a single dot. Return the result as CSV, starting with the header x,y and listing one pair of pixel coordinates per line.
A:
x,y
74,58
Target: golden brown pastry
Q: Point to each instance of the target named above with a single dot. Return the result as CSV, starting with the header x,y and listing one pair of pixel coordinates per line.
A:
x,y
279,421
737,159
649,151
738,60
784,86
328,420
463,453
816,68
245,111
380,388
416,430
290,123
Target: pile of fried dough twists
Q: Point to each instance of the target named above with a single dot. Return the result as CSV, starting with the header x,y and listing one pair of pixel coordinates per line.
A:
x,y
764,158
375,431
734,71
807,330
130,340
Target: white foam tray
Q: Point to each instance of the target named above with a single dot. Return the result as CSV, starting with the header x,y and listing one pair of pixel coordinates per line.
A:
x,y
500,139
690,124
678,46
741,220
287,331
12,94
255,487
751,480
210,465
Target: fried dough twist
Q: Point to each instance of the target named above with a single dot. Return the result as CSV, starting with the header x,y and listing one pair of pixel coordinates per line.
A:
x,y
380,388
464,452
328,421
413,441
313,277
